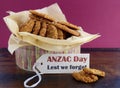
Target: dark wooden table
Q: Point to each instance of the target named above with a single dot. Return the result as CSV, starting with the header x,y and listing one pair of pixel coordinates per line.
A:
x,y
107,60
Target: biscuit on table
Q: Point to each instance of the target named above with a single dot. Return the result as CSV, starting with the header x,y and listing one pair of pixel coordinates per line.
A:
x,y
94,71
43,29
36,27
82,76
88,75
68,24
51,31
41,15
28,26
65,28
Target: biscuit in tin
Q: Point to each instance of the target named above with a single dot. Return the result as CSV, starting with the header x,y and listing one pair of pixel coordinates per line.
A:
x,y
68,24
43,29
52,32
41,15
36,27
28,26
65,28
60,34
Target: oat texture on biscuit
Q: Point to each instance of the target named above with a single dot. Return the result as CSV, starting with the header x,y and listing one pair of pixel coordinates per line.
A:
x,y
82,76
43,29
60,34
94,71
36,27
28,26
88,75
41,15
65,28
68,24
44,25
34,17
52,32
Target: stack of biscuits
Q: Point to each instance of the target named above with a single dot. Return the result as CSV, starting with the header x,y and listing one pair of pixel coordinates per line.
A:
x,y
46,26
88,75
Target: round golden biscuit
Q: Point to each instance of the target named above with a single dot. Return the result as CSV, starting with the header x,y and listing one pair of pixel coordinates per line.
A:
x,y
94,71
41,15
68,24
65,28
84,77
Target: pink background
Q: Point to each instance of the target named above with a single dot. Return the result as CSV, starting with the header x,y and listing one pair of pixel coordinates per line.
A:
x,y
94,16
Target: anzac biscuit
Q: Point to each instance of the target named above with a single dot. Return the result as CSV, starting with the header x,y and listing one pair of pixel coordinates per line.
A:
x,y
28,26
44,25
65,28
72,26
94,72
82,76
43,29
36,27
60,34
32,16
42,15
52,32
